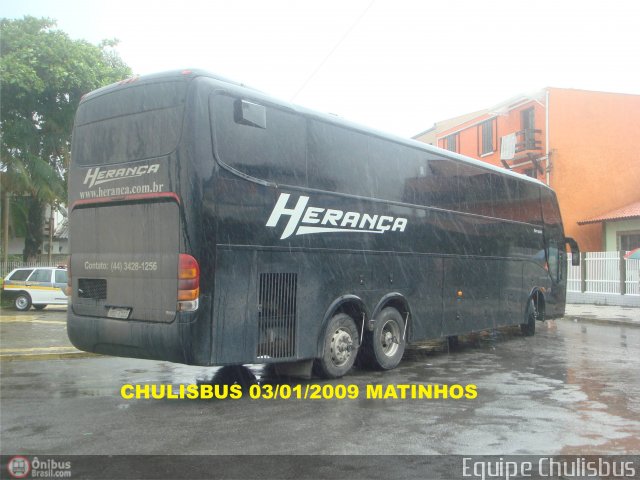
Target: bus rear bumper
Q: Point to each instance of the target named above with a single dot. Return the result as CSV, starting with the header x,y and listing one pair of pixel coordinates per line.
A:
x,y
147,340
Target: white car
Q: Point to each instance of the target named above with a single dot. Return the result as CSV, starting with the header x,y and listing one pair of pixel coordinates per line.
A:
x,y
37,286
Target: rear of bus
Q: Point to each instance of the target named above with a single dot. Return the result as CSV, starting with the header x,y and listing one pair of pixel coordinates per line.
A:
x,y
134,280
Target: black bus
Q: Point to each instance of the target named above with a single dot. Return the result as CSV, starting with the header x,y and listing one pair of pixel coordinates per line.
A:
x,y
213,225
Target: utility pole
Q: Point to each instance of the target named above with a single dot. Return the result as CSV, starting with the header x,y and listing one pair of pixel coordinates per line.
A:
x,y
5,225
49,258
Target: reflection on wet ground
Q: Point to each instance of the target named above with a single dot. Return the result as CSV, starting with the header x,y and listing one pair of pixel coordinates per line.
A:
x,y
571,389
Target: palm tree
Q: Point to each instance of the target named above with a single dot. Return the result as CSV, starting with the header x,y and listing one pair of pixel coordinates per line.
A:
x,y
30,175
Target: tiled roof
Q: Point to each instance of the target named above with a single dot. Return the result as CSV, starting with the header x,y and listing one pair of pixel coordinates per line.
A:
x,y
625,213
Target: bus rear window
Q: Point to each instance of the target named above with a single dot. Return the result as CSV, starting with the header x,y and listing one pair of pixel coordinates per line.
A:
x,y
134,123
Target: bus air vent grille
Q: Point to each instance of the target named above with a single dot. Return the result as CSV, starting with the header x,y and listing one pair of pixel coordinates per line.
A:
x,y
277,299
95,288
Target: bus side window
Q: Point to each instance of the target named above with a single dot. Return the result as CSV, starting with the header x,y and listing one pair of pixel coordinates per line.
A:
x,y
338,159
474,189
439,186
262,141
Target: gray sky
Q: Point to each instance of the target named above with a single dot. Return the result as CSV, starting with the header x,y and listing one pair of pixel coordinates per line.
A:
x,y
395,65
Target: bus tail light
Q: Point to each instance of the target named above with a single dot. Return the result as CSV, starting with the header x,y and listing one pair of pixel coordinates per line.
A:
x,y
188,283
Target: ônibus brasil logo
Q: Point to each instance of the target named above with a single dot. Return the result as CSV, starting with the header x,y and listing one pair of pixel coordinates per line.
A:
x,y
305,220
18,467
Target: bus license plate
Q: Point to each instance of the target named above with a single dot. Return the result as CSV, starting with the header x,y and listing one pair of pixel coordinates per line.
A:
x,y
119,312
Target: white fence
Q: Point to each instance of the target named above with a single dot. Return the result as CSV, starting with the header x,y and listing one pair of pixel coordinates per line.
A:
x,y
6,267
604,277
605,272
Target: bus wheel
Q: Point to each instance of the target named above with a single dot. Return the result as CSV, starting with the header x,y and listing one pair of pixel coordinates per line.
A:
x,y
385,346
340,347
528,328
22,302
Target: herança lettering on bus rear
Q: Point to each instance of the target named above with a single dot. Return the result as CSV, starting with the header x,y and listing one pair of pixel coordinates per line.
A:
x,y
236,228
97,176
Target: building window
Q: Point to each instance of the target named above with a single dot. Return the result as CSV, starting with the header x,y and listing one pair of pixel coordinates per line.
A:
x,y
451,142
628,241
528,123
486,128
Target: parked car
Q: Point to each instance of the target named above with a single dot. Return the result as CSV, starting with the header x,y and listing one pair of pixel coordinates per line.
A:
x,y
37,286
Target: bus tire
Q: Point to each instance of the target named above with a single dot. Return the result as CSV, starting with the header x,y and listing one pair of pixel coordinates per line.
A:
x,y
341,344
22,302
385,345
528,328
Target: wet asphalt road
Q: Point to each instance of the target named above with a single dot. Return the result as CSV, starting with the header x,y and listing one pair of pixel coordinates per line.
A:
x,y
572,389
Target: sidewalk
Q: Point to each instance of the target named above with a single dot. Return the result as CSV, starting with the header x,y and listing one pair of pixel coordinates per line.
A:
x,y
603,314
36,335
43,335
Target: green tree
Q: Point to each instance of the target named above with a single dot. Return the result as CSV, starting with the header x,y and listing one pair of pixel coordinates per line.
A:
x,y
43,75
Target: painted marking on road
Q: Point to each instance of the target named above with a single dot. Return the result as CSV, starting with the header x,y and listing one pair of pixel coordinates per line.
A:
x,y
43,353
18,317
10,357
37,349
31,319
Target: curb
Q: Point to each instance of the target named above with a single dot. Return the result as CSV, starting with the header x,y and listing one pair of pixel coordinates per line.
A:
x,y
11,357
603,321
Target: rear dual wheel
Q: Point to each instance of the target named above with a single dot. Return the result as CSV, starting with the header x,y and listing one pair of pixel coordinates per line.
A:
x,y
384,347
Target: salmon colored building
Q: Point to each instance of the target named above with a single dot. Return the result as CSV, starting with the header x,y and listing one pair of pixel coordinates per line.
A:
x,y
584,144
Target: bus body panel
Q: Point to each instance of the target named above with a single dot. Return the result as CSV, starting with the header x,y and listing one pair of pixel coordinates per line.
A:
x,y
174,342
431,262
125,261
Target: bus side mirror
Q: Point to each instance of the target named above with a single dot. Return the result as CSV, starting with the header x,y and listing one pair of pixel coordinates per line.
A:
x,y
575,251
